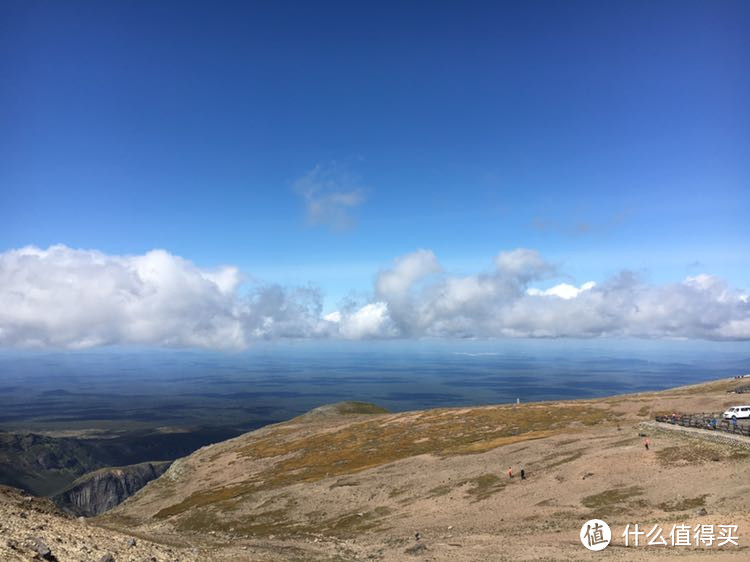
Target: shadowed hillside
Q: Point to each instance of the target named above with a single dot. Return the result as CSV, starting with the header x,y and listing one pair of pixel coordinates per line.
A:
x,y
45,465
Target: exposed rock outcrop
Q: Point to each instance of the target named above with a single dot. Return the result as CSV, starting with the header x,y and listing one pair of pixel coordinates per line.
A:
x,y
103,489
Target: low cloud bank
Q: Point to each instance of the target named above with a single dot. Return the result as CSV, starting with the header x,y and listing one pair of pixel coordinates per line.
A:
x,y
68,298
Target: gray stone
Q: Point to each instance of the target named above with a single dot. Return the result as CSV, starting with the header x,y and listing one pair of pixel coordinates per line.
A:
x,y
417,549
43,551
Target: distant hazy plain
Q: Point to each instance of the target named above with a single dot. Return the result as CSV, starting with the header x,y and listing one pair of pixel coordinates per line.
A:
x,y
131,389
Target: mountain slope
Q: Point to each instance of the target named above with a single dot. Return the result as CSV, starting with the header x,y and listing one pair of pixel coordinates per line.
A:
x,y
359,486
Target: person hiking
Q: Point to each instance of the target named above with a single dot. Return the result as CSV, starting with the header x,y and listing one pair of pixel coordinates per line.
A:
x,y
510,472
646,442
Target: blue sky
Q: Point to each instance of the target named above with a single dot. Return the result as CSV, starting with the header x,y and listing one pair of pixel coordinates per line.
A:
x,y
604,135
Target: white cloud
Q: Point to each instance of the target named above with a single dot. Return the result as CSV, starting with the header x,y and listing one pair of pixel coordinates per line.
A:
x,y
63,297
407,270
563,290
523,264
501,304
370,321
330,194
334,317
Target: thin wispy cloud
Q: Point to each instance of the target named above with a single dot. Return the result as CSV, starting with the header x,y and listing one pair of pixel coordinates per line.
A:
x,y
61,297
331,195
583,227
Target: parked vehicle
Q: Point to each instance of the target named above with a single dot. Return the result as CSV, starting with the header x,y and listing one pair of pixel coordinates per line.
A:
x,y
737,413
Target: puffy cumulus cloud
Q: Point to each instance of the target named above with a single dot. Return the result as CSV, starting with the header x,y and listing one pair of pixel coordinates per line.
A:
x,y
330,194
61,297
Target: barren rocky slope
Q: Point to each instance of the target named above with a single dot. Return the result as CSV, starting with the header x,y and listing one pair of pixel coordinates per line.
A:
x,y
34,529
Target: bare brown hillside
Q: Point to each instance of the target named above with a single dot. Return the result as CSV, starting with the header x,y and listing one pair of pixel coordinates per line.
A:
x,y
359,486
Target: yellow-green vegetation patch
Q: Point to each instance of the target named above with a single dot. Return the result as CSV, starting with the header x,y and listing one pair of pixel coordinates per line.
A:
x,y
398,491
565,458
385,439
623,442
263,523
350,408
208,497
683,504
612,501
699,451
359,521
567,442
479,488
280,522
482,487
443,489
481,446
344,483
200,520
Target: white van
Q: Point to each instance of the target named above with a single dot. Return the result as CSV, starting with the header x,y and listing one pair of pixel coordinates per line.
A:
x,y
737,412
